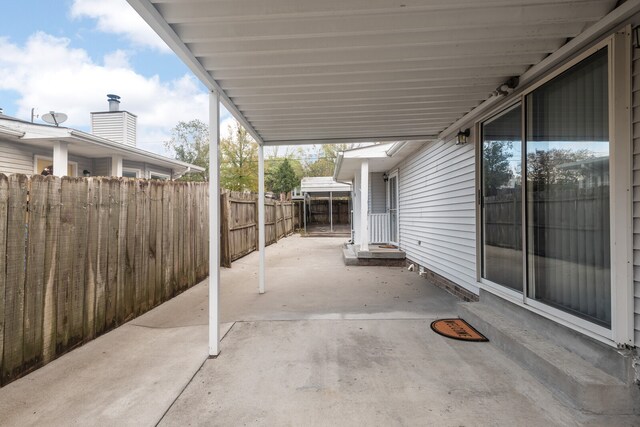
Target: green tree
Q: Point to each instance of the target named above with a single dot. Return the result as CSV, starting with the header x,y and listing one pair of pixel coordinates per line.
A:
x,y
557,166
190,143
238,161
284,179
325,163
495,163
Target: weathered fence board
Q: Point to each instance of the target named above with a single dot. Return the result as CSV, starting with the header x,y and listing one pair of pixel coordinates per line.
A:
x,y
239,224
4,207
85,255
49,317
14,286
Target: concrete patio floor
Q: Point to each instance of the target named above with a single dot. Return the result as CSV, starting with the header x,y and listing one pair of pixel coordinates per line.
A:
x,y
326,345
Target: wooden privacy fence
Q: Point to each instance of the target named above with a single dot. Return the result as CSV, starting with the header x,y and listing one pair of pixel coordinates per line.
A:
x,y
239,224
84,255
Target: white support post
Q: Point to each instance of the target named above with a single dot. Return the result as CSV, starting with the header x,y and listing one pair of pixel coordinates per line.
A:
x,y
331,209
214,224
364,206
116,166
60,158
304,211
261,219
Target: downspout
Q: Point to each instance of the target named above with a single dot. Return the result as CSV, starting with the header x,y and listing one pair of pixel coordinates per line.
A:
x,y
338,165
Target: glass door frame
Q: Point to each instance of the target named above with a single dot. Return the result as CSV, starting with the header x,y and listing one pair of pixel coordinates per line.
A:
x,y
394,175
620,204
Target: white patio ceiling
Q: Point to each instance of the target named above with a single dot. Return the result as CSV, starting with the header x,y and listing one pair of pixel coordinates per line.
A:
x,y
318,71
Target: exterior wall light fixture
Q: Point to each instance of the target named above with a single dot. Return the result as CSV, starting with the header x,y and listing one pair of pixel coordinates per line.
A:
x,y
462,136
385,177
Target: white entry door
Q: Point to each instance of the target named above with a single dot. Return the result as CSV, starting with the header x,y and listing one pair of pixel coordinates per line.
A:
x,y
392,202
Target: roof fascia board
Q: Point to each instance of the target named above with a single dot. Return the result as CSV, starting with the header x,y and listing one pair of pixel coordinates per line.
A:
x,y
36,132
78,136
155,20
582,40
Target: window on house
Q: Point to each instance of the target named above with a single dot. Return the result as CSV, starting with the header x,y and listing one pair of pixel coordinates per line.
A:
x,y
566,177
131,173
42,162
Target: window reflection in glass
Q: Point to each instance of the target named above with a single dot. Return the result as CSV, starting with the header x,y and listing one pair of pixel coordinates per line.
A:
x,y
502,199
567,162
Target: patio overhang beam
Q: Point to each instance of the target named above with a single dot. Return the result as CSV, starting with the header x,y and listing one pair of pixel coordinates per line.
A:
x,y
358,139
157,22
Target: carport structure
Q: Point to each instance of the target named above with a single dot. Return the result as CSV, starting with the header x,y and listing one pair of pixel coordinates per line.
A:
x,y
338,71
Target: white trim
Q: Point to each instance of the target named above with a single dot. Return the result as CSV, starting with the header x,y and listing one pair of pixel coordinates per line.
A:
x,y
37,157
364,205
620,175
394,174
214,224
262,221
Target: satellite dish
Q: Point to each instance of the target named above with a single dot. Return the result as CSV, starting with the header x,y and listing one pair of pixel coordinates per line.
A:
x,y
54,118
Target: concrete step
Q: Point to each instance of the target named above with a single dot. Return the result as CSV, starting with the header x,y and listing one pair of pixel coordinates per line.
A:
x,y
566,374
351,259
613,361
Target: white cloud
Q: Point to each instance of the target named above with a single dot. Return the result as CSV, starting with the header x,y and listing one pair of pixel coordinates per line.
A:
x,y
118,17
117,59
49,74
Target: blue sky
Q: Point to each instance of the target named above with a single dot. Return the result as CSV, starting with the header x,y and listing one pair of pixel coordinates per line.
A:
x,y
67,55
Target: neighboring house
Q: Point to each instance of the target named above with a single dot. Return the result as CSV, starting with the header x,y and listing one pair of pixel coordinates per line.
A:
x,y
110,150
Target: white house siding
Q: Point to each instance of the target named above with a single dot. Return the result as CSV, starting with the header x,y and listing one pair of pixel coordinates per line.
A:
x,y
377,193
437,211
117,126
15,159
130,129
101,167
84,163
636,192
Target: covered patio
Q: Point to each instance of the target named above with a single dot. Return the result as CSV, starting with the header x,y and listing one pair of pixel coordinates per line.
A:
x,y
344,346
310,72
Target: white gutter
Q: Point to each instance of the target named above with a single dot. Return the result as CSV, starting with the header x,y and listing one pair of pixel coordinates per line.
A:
x,y
395,148
11,132
157,22
615,17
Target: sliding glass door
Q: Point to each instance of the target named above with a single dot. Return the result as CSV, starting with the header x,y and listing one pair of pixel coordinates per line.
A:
x,y
564,160
567,156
